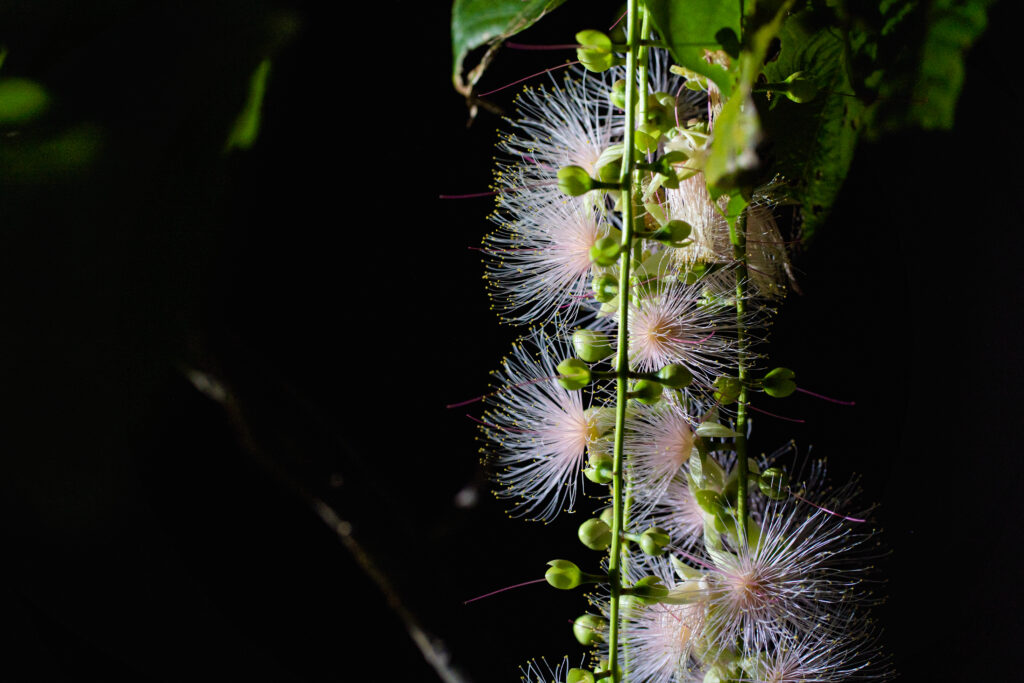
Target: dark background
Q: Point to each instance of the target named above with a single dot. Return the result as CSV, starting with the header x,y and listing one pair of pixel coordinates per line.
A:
x,y
151,533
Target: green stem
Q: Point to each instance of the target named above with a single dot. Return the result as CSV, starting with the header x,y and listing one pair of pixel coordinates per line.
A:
x,y
739,242
622,356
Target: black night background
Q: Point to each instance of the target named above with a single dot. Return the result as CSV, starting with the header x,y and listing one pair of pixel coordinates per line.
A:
x,y
318,287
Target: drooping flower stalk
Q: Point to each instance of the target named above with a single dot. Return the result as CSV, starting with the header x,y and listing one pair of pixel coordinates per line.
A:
x,y
622,353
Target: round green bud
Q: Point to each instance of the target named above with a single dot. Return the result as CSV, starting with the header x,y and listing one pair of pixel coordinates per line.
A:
x,y
773,483
672,232
727,390
608,516
591,346
594,40
779,383
649,589
800,89
563,575
573,374
647,392
598,475
606,288
579,676
595,534
605,251
654,541
675,376
589,629
574,181
595,60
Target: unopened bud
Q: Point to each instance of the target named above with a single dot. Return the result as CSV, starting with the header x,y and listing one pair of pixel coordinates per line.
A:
x,y
773,483
573,374
595,534
591,346
589,629
675,376
605,251
606,288
779,383
647,392
563,575
574,181
654,541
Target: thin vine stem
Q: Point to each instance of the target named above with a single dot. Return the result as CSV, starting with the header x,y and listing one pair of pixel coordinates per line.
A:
x,y
622,355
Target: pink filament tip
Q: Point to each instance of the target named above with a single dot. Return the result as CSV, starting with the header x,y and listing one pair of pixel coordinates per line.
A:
x,y
560,66
826,398
502,590
824,509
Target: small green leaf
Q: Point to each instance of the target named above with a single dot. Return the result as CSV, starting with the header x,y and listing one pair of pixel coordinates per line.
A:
x,y
247,125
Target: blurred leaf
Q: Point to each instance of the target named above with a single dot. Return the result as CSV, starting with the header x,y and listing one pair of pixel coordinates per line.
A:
x,y
813,142
692,26
21,100
923,84
25,159
488,22
247,126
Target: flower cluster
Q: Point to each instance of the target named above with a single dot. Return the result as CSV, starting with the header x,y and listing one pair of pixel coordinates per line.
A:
x,y
646,301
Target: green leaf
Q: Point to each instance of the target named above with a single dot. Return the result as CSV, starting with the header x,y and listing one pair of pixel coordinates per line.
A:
x,y
247,125
813,142
488,22
21,100
690,27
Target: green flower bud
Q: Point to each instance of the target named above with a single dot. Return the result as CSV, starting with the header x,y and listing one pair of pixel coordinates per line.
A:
x,y
800,89
607,516
654,540
727,390
589,629
594,40
601,470
646,137
606,288
573,374
675,376
595,534
773,483
563,575
605,251
647,392
610,172
591,346
779,383
574,181
579,676
649,589
618,94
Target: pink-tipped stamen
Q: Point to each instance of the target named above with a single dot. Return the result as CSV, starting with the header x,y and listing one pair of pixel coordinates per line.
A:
x,y
780,417
525,46
560,66
497,391
493,193
824,509
502,590
690,341
826,398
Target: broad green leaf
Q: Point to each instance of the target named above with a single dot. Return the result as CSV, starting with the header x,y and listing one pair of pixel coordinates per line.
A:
x,y
689,27
813,142
247,125
488,22
21,100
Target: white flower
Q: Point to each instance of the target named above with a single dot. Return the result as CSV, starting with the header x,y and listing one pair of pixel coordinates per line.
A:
x,y
682,324
659,441
539,430
539,266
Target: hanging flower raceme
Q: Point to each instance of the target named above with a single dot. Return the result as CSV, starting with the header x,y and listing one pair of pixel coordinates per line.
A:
x,y
539,431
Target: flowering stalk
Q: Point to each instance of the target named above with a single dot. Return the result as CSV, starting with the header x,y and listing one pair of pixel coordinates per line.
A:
x,y
739,242
622,354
